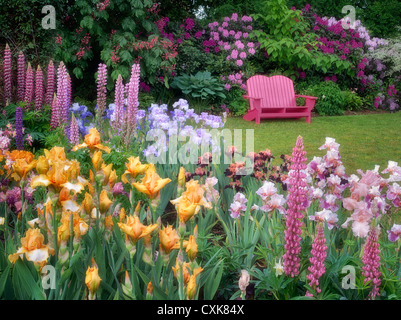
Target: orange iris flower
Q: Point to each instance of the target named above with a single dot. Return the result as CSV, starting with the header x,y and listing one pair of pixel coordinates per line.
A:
x,y
151,183
134,168
190,201
135,230
92,141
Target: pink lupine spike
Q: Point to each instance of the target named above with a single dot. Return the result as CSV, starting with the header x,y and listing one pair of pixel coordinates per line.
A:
x,y
50,83
297,203
55,118
132,104
7,75
126,89
29,86
74,131
101,90
319,254
39,89
132,101
119,102
21,77
61,95
371,261
68,97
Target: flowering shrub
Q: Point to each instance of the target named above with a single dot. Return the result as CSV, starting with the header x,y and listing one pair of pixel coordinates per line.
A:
x,y
230,41
288,40
331,101
355,46
90,34
380,17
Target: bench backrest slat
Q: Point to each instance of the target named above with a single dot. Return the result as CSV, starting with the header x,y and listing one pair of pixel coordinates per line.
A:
x,y
276,91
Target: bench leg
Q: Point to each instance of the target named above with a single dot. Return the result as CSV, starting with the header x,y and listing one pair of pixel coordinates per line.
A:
x,y
257,120
308,118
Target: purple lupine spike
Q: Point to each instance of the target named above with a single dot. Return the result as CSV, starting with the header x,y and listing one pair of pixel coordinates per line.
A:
x,y
61,94
297,203
19,139
119,102
55,118
21,77
7,75
101,90
371,261
319,254
50,83
29,86
74,131
39,89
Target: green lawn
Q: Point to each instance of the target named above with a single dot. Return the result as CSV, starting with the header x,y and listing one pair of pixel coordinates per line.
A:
x,y
365,140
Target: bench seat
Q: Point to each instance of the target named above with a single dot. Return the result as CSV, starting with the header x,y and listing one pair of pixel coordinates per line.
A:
x,y
274,97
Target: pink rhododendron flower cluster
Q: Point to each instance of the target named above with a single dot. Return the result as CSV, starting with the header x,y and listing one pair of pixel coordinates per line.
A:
x,y
236,80
231,39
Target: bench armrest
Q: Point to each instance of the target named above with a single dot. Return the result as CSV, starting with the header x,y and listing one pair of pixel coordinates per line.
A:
x,y
249,97
306,97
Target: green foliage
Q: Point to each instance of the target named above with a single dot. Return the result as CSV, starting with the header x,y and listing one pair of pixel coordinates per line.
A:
x,y
192,58
353,102
330,101
287,39
179,9
237,105
146,99
120,34
201,86
56,138
383,17
218,10
21,26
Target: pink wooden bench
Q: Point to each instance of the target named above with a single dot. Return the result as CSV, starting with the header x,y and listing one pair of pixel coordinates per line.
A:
x,y
274,97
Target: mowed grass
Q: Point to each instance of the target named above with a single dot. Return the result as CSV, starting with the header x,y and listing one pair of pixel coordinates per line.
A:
x,y
365,140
